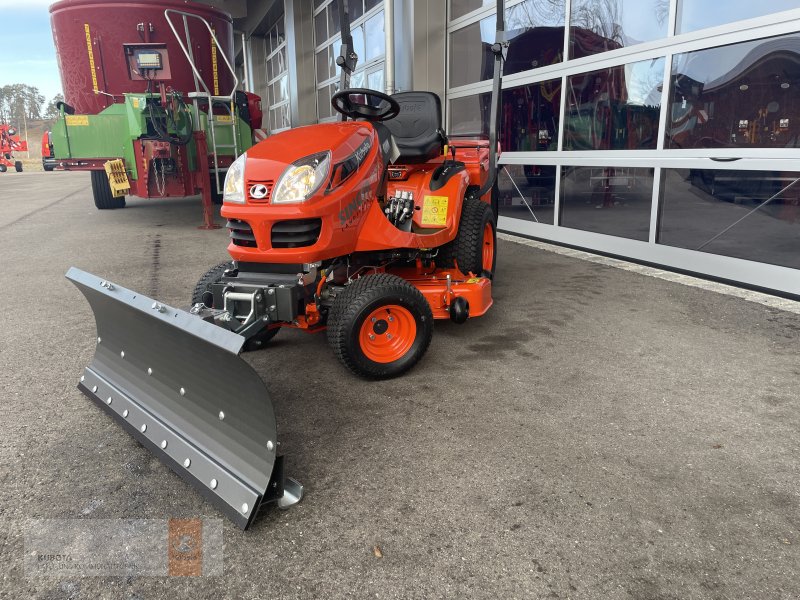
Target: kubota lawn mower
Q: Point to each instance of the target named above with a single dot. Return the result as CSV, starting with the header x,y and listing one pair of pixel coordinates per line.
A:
x,y
10,143
368,229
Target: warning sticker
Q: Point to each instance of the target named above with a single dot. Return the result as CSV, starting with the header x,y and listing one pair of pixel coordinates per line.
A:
x,y
434,211
135,102
77,120
223,119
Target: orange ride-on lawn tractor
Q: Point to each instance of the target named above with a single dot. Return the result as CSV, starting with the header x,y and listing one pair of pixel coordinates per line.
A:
x,y
10,143
368,229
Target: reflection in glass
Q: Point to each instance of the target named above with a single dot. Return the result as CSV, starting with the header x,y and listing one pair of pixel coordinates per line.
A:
x,y
601,25
753,215
528,121
530,115
615,109
535,30
698,14
527,192
610,200
741,95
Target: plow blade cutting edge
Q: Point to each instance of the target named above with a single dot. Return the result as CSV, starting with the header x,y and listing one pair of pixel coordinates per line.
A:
x,y
176,383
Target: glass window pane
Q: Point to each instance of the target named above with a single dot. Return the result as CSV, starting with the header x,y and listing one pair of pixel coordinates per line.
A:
x,y
459,8
356,9
529,120
527,192
698,14
357,80
324,102
536,39
370,4
323,68
321,28
469,116
738,96
744,214
333,19
600,25
610,200
615,109
375,38
375,80
358,43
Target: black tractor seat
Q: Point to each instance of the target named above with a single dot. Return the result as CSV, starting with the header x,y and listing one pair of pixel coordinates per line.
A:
x,y
417,130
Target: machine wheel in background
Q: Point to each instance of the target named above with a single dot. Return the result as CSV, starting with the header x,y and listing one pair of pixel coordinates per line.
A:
x,y
48,168
475,246
101,189
216,197
18,166
214,275
380,326
3,168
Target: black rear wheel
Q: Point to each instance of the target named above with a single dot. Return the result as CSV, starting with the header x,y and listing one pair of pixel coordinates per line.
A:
x,y
101,190
380,326
18,166
3,168
202,295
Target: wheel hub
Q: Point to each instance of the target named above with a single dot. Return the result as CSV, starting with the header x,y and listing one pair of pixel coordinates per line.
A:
x,y
388,333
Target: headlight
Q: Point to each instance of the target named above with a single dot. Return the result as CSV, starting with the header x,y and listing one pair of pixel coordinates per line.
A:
x,y
233,190
302,179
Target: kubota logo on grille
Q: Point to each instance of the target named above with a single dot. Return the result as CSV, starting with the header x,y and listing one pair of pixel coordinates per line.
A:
x,y
259,191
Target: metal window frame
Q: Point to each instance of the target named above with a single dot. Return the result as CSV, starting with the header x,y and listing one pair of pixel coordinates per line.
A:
x,y
272,106
362,67
762,275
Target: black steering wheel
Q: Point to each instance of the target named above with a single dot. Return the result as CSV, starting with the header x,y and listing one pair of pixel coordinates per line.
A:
x,y
361,103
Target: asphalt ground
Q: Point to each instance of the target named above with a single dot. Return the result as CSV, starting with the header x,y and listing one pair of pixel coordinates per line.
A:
x,y
599,434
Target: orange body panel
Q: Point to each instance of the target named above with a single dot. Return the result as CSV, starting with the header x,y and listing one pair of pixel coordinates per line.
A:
x,y
351,215
476,290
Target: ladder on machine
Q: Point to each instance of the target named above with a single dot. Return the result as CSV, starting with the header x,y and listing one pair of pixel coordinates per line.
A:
x,y
202,95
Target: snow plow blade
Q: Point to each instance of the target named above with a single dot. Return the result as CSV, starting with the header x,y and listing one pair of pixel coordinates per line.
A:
x,y
176,383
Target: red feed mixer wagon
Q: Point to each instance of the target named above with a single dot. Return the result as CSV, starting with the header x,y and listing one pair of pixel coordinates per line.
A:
x,y
9,144
152,102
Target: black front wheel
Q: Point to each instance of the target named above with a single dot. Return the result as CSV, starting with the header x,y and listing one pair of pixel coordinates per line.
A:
x,y
380,326
18,166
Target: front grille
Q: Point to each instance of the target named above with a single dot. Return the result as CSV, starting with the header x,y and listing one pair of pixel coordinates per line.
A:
x,y
255,184
298,233
241,233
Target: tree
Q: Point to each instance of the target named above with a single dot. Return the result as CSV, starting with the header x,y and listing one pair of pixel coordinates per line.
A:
x,y
20,102
51,112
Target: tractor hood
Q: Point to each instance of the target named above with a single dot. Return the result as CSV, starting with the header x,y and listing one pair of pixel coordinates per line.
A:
x,y
268,160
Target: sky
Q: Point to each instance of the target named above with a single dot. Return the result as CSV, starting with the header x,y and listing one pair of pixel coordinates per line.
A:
x,y
28,55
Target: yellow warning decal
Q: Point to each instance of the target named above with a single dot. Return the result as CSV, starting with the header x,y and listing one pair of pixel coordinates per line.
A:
x,y
91,57
434,211
135,102
77,120
474,280
223,119
214,65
